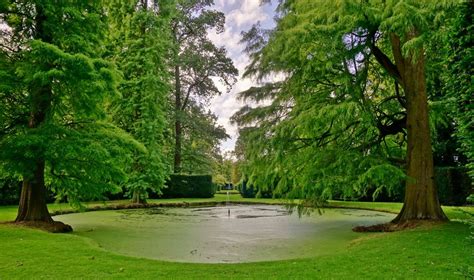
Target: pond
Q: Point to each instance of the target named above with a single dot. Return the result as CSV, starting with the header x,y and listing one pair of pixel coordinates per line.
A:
x,y
222,234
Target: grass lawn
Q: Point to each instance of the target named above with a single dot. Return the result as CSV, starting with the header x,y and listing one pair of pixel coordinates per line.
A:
x,y
438,252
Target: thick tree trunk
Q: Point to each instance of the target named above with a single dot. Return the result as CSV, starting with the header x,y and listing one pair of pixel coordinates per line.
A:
x,y
137,198
32,207
421,197
177,124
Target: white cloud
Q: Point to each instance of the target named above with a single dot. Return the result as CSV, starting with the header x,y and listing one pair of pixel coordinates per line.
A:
x,y
240,16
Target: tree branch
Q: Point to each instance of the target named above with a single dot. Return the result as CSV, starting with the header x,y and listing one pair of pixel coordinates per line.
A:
x,y
385,62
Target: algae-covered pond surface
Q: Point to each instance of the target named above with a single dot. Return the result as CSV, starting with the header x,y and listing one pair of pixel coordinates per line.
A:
x,y
210,235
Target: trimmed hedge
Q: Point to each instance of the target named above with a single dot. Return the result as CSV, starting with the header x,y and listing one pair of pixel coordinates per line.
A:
x,y
189,186
249,191
454,185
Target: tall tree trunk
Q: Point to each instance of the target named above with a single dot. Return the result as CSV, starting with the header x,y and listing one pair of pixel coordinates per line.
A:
x,y
177,125
421,197
32,205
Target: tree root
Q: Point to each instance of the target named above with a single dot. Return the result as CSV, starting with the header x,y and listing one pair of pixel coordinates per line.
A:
x,y
53,227
391,227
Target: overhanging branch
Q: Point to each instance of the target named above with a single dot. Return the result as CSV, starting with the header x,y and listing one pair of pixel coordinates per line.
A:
x,y
385,62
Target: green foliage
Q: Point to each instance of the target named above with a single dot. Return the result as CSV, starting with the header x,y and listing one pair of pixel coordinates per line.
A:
x,y
219,180
10,191
142,41
54,92
454,185
334,124
197,65
246,190
458,58
200,151
198,186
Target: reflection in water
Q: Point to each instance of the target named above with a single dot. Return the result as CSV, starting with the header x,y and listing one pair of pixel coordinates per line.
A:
x,y
210,234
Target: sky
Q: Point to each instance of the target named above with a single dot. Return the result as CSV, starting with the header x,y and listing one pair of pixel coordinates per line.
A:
x,y
240,16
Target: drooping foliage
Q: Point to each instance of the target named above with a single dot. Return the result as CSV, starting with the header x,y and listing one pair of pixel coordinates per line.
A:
x,y
53,87
141,43
348,112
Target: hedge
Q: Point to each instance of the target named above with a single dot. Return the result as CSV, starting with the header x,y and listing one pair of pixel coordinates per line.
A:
x,y
10,190
189,186
454,185
249,191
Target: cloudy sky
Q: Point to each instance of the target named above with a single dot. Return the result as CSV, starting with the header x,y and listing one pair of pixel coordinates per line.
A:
x,y
240,16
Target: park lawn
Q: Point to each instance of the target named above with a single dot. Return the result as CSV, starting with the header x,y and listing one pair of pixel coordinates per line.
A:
x,y
431,252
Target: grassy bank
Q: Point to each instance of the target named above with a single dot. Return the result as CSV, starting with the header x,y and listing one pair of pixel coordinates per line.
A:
x,y
8,213
437,252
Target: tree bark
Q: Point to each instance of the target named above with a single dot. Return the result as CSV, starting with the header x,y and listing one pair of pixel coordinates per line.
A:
x,y
421,198
32,205
177,125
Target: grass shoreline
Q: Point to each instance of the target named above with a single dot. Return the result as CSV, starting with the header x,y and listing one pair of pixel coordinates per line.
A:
x,y
7,213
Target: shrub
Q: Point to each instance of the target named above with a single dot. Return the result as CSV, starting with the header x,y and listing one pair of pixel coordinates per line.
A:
x,y
247,191
454,185
9,191
197,186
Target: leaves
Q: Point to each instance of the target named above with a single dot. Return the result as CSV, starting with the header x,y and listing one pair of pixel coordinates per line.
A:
x,y
334,126
55,97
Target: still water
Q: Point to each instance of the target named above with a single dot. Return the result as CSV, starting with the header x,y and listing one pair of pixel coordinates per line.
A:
x,y
210,235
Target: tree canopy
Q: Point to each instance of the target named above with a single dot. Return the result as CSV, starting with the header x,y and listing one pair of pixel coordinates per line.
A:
x,y
350,111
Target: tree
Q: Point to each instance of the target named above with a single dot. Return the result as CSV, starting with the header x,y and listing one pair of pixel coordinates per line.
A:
x,y
352,100
142,41
53,89
200,144
458,55
198,62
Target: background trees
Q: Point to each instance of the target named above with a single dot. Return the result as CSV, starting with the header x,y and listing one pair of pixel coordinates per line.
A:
x,y
86,89
141,42
198,64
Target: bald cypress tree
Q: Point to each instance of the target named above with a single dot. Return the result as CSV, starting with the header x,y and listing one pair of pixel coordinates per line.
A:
x,y
54,87
352,108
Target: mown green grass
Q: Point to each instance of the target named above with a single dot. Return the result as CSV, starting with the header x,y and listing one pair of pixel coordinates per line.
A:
x,y
435,252
441,252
